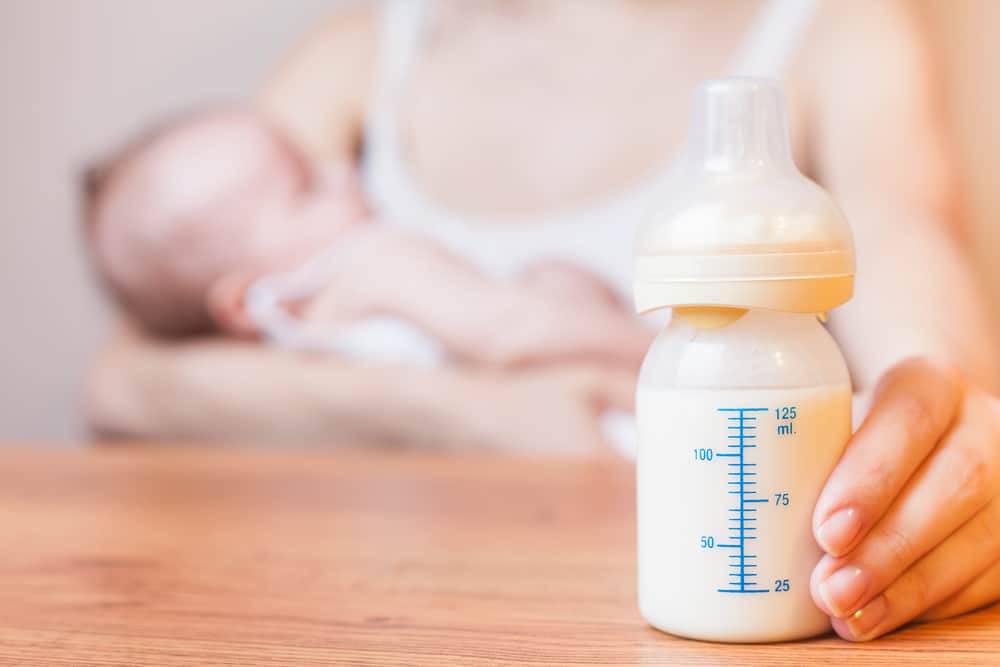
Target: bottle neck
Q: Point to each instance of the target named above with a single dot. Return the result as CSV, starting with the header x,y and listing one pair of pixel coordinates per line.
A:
x,y
709,317
717,317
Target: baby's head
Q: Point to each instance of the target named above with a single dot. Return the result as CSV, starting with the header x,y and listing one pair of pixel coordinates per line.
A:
x,y
194,204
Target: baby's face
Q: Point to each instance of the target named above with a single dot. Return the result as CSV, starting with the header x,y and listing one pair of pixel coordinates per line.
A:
x,y
269,205
216,195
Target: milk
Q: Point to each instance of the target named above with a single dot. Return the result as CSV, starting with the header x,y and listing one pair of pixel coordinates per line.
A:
x,y
697,577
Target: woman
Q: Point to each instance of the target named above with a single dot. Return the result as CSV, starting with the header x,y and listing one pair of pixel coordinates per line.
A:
x,y
512,113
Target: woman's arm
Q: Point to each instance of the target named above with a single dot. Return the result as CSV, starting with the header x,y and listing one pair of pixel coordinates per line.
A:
x,y
880,145
910,517
222,389
479,319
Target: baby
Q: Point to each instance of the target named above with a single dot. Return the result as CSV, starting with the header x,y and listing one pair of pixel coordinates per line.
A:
x,y
182,222
180,218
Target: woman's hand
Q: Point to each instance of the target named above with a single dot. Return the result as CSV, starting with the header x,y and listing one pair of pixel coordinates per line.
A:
x,y
550,411
910,518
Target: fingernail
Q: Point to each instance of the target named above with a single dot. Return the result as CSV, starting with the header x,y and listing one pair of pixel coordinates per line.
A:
x,y
837,533
843,590
864,621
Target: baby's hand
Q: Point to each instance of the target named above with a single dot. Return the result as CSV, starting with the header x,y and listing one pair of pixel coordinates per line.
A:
x,y
910,518
358,281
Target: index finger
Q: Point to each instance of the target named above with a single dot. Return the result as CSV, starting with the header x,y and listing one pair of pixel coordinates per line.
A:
x,y
913,406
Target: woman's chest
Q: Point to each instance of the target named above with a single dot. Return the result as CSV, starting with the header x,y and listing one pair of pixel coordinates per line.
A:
x,y
512,122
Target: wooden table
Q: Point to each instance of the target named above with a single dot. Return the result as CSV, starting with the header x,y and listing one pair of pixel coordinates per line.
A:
x,y
178,556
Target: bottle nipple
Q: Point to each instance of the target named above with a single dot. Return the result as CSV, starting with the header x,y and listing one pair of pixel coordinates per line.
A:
x,y
738,124
738,226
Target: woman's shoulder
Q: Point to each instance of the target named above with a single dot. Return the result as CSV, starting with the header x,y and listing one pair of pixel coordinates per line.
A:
x,y
860,54
860,36
871,83
349,30
320,91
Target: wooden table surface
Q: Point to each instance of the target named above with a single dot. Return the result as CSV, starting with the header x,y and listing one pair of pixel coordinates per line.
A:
x,y
178,556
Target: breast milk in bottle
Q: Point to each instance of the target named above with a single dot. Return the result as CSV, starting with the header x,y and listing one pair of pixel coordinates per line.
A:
x,y
744,399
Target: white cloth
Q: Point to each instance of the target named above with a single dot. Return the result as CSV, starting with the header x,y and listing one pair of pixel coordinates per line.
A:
x,y
598,239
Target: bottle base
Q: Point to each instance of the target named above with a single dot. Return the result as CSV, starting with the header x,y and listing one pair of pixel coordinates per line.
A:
x,y
692,629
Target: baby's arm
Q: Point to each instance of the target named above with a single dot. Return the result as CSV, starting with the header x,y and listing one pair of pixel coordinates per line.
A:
x,y
477,318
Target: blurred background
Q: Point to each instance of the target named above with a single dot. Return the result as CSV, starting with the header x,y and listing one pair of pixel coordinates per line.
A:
x,y
78,76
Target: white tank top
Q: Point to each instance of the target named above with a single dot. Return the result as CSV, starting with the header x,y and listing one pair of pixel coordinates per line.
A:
x,y
598,238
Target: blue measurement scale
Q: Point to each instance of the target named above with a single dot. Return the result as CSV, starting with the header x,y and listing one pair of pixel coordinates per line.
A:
x,y
742,517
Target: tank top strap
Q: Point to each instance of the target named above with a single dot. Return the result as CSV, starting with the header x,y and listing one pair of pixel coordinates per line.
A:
x,y
402,24
773,38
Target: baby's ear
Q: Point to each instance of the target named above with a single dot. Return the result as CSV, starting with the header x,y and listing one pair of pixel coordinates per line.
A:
x,y
226,302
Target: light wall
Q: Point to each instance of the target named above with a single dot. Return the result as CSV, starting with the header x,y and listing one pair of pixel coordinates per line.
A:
x,y
78,75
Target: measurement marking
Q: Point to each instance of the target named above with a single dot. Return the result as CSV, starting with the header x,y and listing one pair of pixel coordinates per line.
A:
x,y
744,590
741,580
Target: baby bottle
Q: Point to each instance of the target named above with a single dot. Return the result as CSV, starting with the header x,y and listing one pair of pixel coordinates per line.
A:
x,y
744,399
